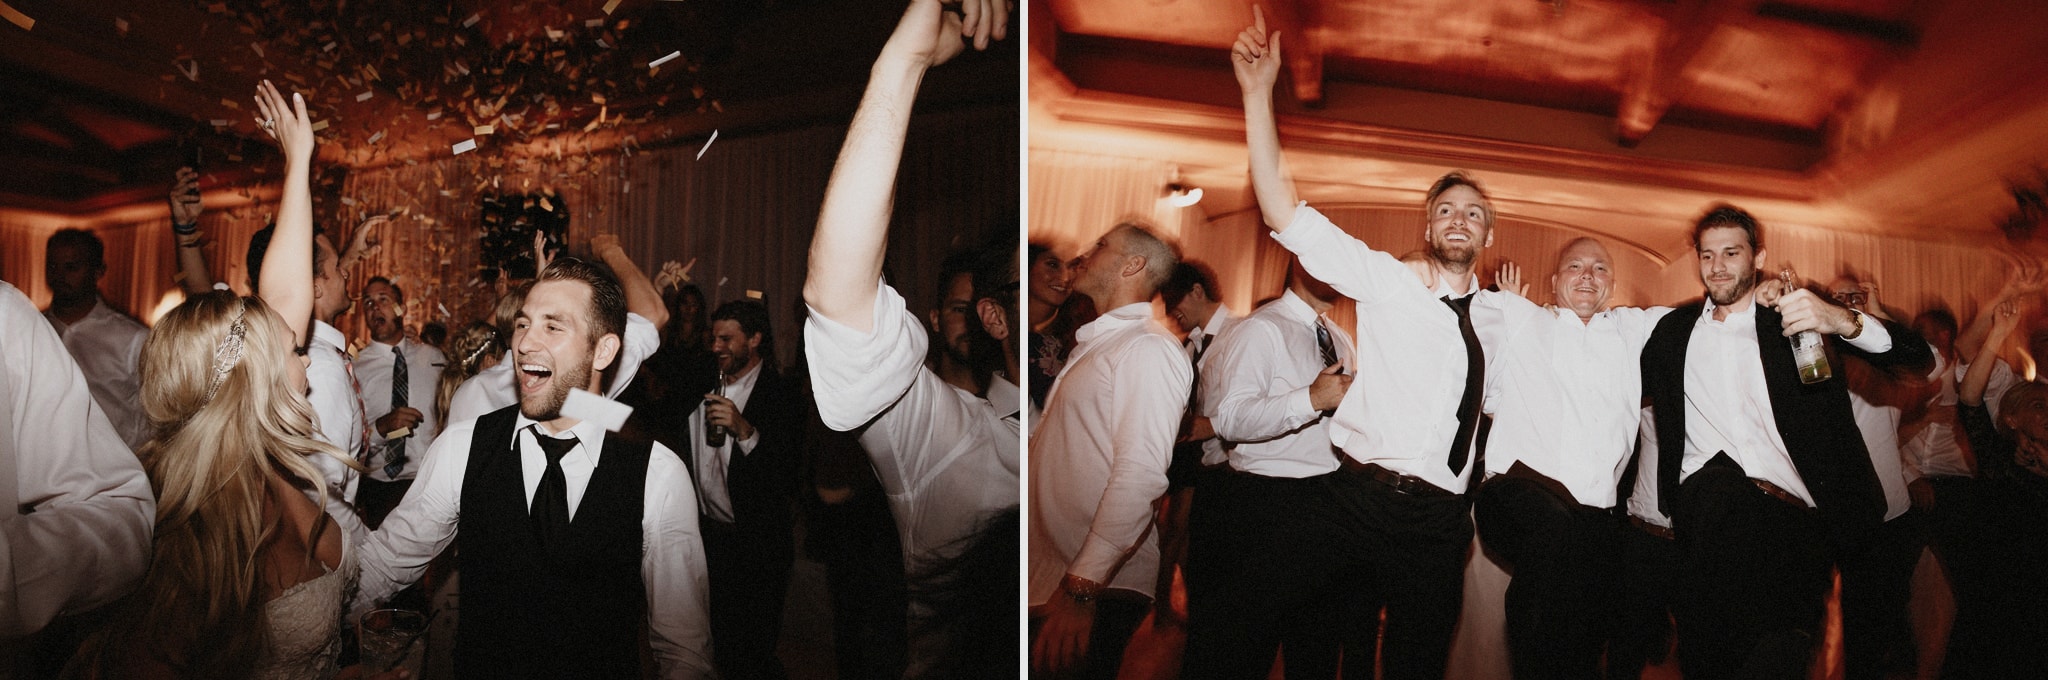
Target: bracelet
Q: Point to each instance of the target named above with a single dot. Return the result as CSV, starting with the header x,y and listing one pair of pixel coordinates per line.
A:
x,y
192,228
1080,590
1858,316
190,239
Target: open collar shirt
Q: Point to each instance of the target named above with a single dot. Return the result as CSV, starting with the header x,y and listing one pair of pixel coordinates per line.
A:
x,y
423,376
1564,394
1098,459
107,345
1728,405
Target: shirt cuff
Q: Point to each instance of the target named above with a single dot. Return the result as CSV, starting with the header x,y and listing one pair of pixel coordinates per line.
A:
x,y
1299,403
1874,339
746,446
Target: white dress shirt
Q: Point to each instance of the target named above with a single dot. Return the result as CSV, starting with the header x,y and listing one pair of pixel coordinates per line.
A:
x,y
1728,405
1565,393
1880,428
2003,378
1099,458
712,462
76,511
1255,387
423,371
107,345
494,388
338,419
1201,340
1402,410
1935,451
1642,501
947,459
671,565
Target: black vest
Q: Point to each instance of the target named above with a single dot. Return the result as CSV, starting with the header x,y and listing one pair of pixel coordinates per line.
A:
x,y
530,614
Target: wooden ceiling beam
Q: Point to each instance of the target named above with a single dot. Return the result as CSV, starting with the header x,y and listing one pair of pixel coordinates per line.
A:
x,y
1653,90
1302,45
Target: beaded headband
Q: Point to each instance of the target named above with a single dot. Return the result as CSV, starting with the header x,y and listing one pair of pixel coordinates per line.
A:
x,y
229,352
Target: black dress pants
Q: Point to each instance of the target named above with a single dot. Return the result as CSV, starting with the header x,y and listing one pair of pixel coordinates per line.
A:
x,y
1404,554
1252,566
1564,559
749,574
1877,581
1642,623
1753,578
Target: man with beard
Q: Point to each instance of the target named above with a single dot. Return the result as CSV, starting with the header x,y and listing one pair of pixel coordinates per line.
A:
x,y
962,356
1758,472
398,376
542,597
745,485
1399,525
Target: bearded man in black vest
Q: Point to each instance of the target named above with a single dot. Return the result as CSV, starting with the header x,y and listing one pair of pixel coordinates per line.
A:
x,y
572,540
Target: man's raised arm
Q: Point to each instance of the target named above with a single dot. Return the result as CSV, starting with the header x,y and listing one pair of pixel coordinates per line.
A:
x,y
1255,58
853,226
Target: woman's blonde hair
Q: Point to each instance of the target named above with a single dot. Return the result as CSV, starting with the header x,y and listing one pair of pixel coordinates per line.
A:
x,y
225,420
467,350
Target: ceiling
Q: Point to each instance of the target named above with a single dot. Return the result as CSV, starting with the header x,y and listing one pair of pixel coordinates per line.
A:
x,y
105,99
1911,113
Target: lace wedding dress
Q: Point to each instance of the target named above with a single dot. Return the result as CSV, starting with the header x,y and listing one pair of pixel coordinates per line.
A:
x,y
306,624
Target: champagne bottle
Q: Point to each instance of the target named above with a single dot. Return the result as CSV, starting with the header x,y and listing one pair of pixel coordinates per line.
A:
x,y
714,436
1812,357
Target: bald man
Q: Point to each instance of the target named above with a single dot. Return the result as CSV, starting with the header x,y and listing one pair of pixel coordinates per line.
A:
x,y
1564,394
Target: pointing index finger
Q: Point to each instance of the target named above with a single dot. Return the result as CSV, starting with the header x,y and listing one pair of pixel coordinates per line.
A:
x,y
1259,21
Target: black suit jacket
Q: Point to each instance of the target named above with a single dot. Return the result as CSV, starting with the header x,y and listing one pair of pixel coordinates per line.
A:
x,y
762,483
1814,420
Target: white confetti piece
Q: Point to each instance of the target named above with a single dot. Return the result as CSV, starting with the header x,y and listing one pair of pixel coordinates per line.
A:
x,y
329,47
434,114
610,5
366,96
707,145
555,35
464,146
471,21
583,405
658,62
258,47
483,130
348,201
377,137
220,122
603,44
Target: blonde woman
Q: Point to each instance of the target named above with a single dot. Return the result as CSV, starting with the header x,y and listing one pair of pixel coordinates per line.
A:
x,y
249,577
477,347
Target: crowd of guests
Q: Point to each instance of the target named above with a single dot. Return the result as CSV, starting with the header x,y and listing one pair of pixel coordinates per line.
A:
x,y
223,494
1631,468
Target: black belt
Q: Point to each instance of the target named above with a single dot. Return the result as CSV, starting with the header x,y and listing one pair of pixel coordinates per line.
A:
x,y
1405,484
1652,528
1780,493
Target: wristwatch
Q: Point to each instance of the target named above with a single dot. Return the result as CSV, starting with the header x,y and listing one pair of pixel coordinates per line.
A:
x,y
1081,590
1858,316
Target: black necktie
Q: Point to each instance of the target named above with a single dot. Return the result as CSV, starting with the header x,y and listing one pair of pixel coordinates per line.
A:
x,y
401,383
550,510
1323,343
1475,380
1197,344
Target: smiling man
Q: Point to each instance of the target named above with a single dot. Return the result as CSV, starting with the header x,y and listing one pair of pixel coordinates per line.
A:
x,y
1757,471
1564,394
572,539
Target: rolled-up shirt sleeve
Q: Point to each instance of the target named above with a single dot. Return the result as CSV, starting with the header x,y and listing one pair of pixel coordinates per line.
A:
x,y
76,527
858,375
642,339
1341,260
422,525
1255,403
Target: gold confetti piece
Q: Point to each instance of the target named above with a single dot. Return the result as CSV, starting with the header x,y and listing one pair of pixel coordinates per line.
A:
x,y
121,25
220,122
482,130
593,23
610,5
230,103
348,201
365,96
319,125
545,205
258,47
329,47
462,147
753,294
658,62
471,21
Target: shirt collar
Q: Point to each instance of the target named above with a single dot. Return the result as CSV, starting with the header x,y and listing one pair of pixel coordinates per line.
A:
x,y
1297,309
1443,287
747,378
589,433
326,333
1002,394
1748,314
1121,317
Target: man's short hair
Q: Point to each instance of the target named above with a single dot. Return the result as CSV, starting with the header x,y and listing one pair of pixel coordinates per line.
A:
x,y
1724,215
1185,276
607,297
996,276
95,250
259,243
1457,178
963,262
751,315
1160,256
397,293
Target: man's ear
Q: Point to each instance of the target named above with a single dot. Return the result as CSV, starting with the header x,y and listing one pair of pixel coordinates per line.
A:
x,y
754,342
601,357
1197,288
1760,253
932,317
1133,266
993,320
